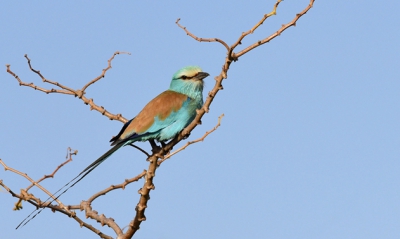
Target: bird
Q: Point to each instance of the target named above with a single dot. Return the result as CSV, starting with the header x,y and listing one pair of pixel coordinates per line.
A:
x,y
161,119
164,116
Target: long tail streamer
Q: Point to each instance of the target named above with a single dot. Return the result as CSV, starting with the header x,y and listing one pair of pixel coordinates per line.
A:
x,y
78,178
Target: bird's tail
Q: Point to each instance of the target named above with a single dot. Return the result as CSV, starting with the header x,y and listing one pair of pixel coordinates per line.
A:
x,y
102,158
75,180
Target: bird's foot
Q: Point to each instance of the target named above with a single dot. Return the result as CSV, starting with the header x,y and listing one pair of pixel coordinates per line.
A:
x,y
163,144
154,147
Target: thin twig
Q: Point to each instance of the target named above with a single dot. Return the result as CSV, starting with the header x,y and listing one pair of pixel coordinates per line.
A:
x,y
90,213
277,33
273,12
32,181
18,205
69,159
244,34
114,187
46,80
68,91
103,73
202,39
192,142
21,83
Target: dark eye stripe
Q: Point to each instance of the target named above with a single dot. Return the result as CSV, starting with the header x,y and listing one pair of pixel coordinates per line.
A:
x,y
186,77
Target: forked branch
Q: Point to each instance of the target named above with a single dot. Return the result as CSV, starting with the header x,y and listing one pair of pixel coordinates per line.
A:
x,y
70,152
80,93
192,142
201,39
277,33
66,209
33,182
235,56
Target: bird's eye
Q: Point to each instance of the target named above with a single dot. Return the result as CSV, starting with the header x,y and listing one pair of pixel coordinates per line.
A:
x,y
184,77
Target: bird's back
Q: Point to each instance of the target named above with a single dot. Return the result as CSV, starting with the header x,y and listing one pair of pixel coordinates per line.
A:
x,y
162,118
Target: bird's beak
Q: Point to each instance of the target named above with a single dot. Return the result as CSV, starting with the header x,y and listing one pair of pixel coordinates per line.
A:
x,y
202,75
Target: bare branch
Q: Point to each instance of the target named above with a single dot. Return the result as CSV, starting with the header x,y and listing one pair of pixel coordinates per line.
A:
x,y
244,34
69,159
160,152
103,220
32,181
46,80
144,192
202,39
68,91
277,33
85,205
18,205
192,142
21,83
273,12
90,227
103,73
114,187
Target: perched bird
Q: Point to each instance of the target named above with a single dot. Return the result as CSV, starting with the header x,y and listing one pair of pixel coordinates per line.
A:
x,y
164,116
161,119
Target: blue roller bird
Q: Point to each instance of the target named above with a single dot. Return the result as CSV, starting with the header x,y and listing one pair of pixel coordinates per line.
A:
x,y
164,116
161,119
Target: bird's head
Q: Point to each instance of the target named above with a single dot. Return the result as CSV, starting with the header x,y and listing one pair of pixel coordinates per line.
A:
x,y
188,80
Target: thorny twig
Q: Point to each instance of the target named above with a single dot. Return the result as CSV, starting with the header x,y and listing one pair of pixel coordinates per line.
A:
x,y
192,142
84,205
18,205
32,181
201,39
68,91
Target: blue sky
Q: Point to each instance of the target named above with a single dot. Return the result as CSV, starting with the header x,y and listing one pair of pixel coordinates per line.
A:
x,y
309,146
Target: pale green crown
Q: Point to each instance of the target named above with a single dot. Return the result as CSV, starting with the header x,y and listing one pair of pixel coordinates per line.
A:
x,y
184,81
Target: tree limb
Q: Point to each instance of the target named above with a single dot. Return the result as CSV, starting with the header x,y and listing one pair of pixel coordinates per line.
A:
x,y
68,91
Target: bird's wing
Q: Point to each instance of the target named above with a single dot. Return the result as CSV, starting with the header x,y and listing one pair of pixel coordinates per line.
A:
x,y
159,113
